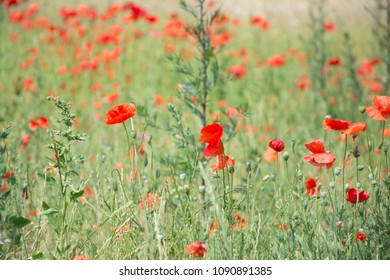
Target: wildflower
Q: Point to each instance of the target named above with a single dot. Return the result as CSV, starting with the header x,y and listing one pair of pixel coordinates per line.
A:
x,y
120,114
276,61
197,249
319,156
345,127
239,223
354,198
334,61
81,258
276,144
222,162
211,134
311,186
237,71
150,200
381,111
281,226
4,187
329,26
340,224
40,122
360,236
214,226
25,138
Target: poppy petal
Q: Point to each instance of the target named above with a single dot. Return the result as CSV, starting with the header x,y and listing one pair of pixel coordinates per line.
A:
x,y
355,128
315,146
375,114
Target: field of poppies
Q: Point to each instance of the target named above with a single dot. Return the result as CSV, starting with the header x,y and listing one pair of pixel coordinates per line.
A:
x,y
194,130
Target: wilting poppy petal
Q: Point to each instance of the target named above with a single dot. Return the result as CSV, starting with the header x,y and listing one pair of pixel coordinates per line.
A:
x,y
315,146
120,113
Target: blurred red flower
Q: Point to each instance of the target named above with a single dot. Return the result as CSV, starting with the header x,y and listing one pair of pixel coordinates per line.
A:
x,y
354,198
360,236
120,113
319,156
381,111
237,71
197,249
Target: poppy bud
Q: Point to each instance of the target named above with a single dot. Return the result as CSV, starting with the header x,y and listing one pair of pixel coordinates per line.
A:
x,y
361,167
171,107
332,184
358,185
340,224
337,171
276,144
133,135
248,166
182,176
356,152
202,189
231,169
362,109
286,155
385,149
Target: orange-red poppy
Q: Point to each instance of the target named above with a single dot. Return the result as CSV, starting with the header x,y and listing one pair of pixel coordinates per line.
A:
x,y
311,187
344,127
319,156
211,134
381,111
197,249
222,162
120,113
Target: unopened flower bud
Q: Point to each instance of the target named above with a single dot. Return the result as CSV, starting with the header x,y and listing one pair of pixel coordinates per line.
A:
x,y
266,178
276,144
202,189
362,109
360,167
171,107
286,155
332,184
133,135
182,176
337,171
231,169
340,224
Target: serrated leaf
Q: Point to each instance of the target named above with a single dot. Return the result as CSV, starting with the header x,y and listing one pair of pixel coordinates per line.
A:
x,y
19,222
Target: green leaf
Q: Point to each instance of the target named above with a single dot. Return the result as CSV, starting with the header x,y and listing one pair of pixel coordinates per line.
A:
x,y
4,134
3,196
39,256
48,212
19,222
74,196
45,206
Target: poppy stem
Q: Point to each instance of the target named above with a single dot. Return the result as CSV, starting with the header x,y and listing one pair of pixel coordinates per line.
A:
x,y
129,150
344,161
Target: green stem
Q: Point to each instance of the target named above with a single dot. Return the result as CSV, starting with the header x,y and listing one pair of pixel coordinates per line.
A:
x,y
344,161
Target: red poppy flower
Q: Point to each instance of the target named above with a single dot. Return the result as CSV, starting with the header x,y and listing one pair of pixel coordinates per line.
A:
x,y
353,197
222,162
344,127
4,187
237,71
311,185
277,60
320,156
239,223
381,111
360,236
120,114
276,144
334,61
211,134
197,249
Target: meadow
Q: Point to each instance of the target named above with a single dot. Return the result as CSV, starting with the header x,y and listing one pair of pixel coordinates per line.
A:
x,y
154,130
